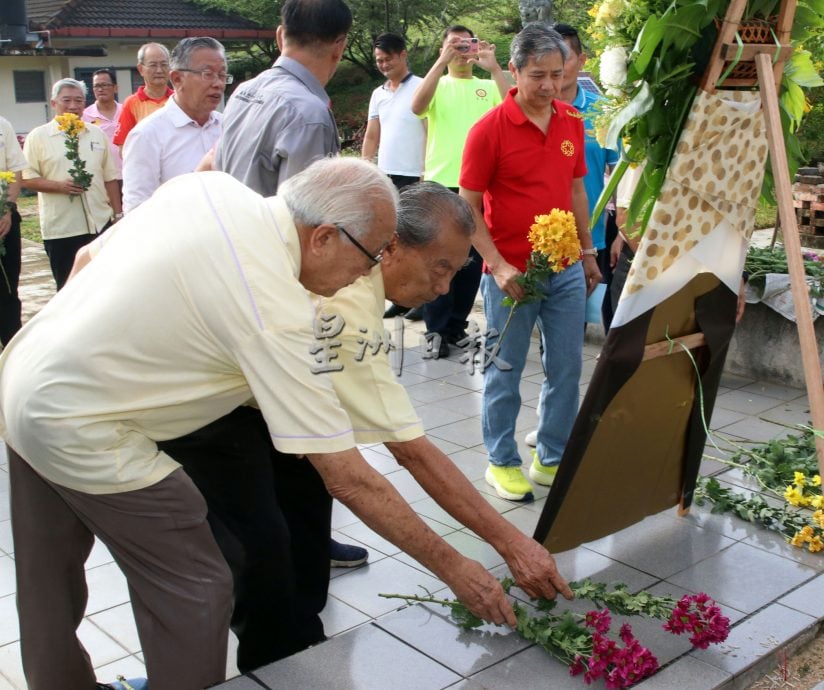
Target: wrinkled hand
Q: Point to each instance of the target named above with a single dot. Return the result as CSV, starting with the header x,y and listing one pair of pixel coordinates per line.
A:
x,y
481,593
505,275
485,57
69,187
592,273
535,571
5,224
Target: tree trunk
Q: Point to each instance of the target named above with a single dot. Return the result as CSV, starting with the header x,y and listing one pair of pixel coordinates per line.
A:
x,y
535,11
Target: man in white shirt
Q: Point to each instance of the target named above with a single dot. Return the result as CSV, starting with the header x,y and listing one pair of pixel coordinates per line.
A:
x,y
174,139
393,130
11,160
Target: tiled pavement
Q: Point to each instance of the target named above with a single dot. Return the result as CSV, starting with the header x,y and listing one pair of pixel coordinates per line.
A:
x,y
774,594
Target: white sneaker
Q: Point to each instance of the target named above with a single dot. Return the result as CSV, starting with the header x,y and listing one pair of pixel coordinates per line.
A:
x,y
532,439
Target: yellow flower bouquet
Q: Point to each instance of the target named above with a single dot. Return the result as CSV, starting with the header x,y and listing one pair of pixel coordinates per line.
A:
x,y
6,178
72,126
555,247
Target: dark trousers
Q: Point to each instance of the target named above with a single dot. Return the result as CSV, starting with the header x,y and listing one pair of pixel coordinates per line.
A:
x,y
401,181
448,313
270,514
10,308
61,255
606,268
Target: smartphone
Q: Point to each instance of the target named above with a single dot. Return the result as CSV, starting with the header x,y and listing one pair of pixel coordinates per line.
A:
x,y
468,45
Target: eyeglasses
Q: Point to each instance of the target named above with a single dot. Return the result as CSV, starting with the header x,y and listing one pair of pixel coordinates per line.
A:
x,y
102,86
209,76
375,259
156,65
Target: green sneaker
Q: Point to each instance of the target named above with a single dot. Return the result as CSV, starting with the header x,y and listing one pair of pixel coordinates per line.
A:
x,y
509,483
541,474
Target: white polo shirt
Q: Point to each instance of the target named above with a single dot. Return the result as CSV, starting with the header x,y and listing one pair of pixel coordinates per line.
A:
x,y
403,136
11,155
161,146
190,310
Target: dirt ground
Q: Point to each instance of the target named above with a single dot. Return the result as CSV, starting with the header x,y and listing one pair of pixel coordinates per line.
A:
x,y
801,671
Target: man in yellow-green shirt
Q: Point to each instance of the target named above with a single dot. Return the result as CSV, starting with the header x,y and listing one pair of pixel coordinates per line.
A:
x,y
451,104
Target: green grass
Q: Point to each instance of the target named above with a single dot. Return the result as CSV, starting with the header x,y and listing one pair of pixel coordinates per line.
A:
x,y
765,215
30,225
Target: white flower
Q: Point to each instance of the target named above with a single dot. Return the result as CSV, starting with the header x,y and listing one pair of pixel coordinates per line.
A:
x,y
609,11
614,70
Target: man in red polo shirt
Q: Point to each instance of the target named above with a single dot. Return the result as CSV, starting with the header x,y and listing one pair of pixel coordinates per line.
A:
x,y
153,66
525,158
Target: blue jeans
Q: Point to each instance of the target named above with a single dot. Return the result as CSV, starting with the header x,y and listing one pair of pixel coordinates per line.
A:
x,y
560,318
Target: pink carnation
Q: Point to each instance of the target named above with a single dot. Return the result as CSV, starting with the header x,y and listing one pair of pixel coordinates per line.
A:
x,y
699,616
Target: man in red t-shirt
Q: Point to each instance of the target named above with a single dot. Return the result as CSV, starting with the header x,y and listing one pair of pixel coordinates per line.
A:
x,y
153,66
525,158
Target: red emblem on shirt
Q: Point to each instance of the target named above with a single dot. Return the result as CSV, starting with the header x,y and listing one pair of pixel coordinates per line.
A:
x,y
481,93
567,147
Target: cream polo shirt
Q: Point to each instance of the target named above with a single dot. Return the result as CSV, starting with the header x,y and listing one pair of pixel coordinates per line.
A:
x,y
373,397
62,215
192,308
11,155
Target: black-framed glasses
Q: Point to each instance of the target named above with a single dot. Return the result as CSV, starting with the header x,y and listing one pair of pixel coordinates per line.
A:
x,y
375,259
209,76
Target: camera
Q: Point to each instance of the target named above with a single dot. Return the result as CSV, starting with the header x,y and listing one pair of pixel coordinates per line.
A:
x,y
467,45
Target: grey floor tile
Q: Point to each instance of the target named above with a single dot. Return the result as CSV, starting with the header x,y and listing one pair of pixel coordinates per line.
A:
x,y
469,404
11,667
9,629
734,381
722,418
767,577
532,668
107,588
129,667
466,543
580,563
529,390
773,390
755,429
377,544
435,368
406,485
8,583
338,617
809,598
434,391
361,587
470,462
466,433
434,416
241,683
709,465
366,658
792,413
743,401
446,446
661,545
465,379
755,638
342,516
6,542
118,623
687,673
776,543
100,646
379,461
524,519
429,508
429,629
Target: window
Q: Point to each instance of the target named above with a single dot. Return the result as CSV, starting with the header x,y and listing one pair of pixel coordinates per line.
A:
x,y
30,86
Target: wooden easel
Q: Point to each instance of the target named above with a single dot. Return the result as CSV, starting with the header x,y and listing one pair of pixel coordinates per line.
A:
x,y
769,61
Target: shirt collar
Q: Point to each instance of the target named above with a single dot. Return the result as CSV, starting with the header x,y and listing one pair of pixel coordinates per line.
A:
x,y
300,72
513,110
143,96
181,119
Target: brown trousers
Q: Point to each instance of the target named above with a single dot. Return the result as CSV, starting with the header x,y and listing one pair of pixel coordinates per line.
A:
x,y
180,586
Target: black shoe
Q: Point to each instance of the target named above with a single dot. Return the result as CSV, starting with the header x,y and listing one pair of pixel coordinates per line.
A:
x,y
442,346
347,555
443,349
415,314
455,338
395,310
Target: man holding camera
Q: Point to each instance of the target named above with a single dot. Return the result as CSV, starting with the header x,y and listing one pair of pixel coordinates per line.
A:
x,y
452,103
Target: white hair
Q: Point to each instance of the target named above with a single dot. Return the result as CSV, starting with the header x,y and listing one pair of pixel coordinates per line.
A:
x,y
67,84
338,190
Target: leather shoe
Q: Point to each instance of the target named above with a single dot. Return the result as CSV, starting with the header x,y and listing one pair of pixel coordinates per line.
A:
x,y
395,310
415,314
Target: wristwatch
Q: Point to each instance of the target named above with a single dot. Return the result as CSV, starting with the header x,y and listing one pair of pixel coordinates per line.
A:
x,y
592,251
11,206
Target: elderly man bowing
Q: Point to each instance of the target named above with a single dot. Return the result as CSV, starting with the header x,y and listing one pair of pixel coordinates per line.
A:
x,y
205,306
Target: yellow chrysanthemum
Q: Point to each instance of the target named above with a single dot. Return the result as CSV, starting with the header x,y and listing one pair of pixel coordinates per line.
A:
x,y
817,502
7,177
799,478
70,124
806,532
815,544
816,480
797,540
555,236
793,496
818,517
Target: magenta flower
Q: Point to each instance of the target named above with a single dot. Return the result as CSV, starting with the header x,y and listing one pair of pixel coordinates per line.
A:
x,y
699,616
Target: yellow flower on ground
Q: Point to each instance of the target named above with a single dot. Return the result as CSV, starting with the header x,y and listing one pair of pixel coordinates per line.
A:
x,y
797,540
799,478
818,516
806,532
555,235
815,545
817,502
816,480
794,496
